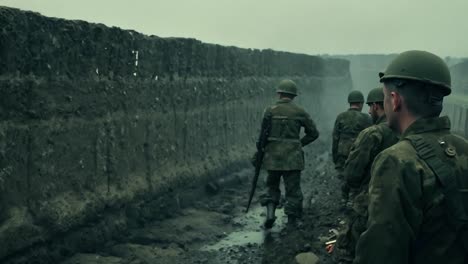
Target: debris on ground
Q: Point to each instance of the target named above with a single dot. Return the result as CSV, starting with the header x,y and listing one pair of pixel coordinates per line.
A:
x,y
216,230
307,258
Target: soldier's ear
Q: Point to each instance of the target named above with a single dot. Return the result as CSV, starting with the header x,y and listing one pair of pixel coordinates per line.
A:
x,y
396,101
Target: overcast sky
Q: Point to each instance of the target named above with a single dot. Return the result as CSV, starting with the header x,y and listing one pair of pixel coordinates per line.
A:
x,y
305,26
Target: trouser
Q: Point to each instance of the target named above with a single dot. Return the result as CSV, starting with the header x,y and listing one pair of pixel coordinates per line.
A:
x,y
357,221
292,184
344,186
339,165
347,241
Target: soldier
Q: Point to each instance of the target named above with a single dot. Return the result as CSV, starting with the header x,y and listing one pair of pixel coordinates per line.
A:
x,y
283,153
347,127
370,142
418,201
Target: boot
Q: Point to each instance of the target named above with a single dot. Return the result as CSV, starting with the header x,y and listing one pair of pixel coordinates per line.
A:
x,y
295,222
270,217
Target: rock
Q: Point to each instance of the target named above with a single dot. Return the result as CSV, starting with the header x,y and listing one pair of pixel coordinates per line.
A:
x,y
307,258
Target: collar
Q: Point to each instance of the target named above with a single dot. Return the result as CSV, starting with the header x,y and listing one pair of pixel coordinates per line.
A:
x,y
381,119
424,125
284,101
354,109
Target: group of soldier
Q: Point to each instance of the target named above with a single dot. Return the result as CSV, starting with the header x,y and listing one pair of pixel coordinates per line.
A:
x,y
404,174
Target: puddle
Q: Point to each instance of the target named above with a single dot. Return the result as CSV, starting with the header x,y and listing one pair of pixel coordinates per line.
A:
x,y
251,231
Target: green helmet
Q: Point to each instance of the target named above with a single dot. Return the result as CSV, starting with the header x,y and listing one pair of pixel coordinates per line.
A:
x,y
287,86
419,66
376,95
355,97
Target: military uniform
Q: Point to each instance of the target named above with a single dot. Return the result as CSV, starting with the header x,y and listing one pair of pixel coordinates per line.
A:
x,y
407,220
283,153
418,192
347,127
370,142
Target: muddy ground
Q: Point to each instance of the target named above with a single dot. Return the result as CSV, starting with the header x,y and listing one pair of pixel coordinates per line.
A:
x,y
216,229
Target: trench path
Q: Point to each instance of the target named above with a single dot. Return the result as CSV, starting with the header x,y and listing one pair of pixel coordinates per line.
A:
x,y
216,230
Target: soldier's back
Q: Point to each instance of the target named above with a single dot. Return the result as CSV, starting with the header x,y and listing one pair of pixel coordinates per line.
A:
x,y
352,122
284,148
369,143
444,196
348,125
418,187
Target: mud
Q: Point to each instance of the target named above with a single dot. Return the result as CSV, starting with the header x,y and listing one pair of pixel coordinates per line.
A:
x,y
96,119
217,230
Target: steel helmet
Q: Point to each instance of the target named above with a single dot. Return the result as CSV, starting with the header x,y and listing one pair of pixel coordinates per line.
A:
x,y
355,97
287,86
376,95
420,66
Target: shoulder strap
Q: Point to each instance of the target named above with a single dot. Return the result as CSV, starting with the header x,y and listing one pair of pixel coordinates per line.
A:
x,y
445,176
455,199
427,152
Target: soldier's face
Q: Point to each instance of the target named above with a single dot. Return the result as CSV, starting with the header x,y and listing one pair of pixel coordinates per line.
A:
x,y
373,112
389,108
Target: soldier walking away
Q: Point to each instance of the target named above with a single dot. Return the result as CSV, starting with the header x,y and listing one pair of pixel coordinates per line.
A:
x,y
347,127
370,142
283,154
418,192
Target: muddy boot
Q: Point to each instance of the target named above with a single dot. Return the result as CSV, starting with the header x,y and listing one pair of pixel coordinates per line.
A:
x,y
270,217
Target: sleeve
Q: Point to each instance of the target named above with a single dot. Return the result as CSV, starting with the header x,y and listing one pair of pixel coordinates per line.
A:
x,y
336,139
311,132
361,156
393,216
265,122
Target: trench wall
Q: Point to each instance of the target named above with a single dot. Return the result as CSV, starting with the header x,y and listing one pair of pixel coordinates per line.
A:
x,y
456,104
459,77
93,117
456,107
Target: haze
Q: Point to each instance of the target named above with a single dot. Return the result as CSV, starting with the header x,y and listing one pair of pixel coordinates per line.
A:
x,y
303,26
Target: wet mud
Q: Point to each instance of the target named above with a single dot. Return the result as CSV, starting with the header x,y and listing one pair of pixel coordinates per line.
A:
x,y
216,228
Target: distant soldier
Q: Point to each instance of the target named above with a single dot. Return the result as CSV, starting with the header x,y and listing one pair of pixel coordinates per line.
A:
x,y
347,127
370,142
418,192
283,153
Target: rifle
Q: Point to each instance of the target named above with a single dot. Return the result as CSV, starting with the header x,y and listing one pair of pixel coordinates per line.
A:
x,y
261,143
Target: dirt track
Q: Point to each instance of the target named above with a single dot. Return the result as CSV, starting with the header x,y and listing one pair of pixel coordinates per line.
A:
x,y
216,230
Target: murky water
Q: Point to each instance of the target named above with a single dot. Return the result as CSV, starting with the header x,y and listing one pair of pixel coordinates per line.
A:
x,y
252,231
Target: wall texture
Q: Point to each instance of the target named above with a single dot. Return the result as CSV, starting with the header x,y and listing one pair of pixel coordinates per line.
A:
x,y
364,69
459,77
456,107
93,117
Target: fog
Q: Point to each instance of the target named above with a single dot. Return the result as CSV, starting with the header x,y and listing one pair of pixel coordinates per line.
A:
x,y
303,26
